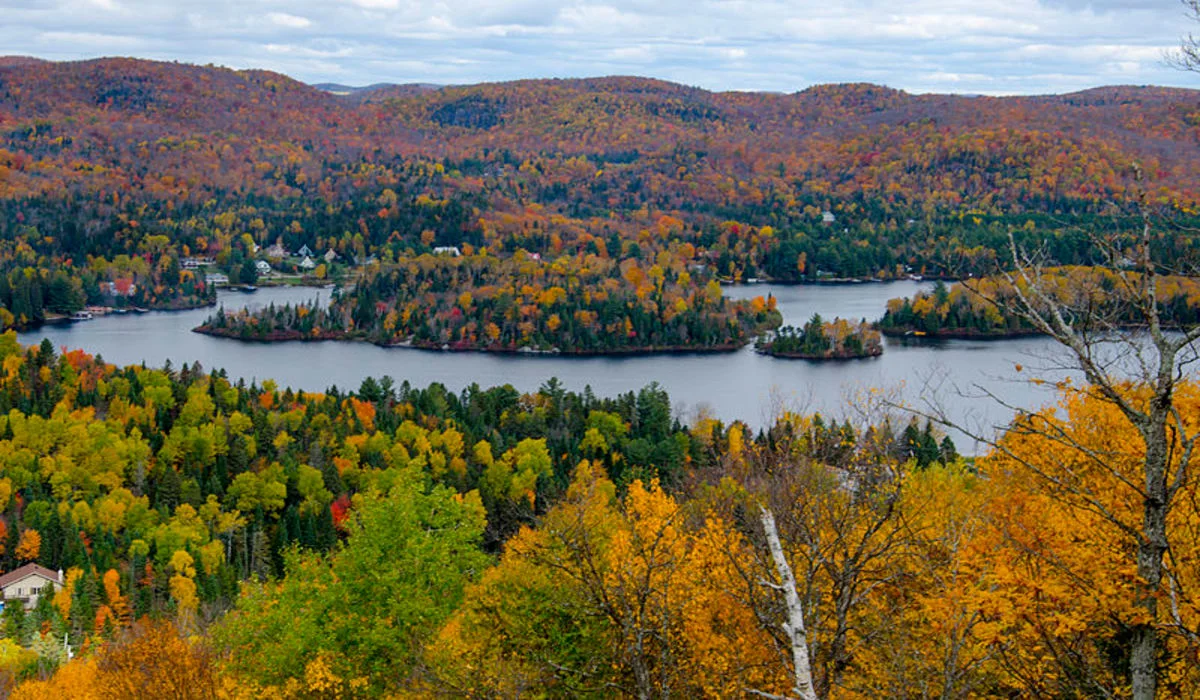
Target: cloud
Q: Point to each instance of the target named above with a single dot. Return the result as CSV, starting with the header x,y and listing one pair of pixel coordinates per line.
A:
x,y
599,19
95,40
283,19
376,4
972,46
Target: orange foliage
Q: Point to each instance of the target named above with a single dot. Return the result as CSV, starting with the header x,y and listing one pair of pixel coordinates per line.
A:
x,y
30,545
150,660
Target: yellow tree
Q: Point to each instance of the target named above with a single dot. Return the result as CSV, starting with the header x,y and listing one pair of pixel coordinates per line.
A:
x,y
939,641
1090,313
30,545
151,660
1061,594
632,596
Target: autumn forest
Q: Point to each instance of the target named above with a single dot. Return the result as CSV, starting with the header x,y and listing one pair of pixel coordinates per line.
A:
x,y
224,539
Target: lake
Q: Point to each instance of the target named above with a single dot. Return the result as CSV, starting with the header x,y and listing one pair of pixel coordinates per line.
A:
x,y
741,384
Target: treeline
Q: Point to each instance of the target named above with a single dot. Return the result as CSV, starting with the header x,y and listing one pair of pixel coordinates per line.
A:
x,y
820,339
580,304
27,295
1100,299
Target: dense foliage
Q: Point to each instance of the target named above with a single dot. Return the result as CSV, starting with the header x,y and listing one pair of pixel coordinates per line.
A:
x,y
160,492
584,304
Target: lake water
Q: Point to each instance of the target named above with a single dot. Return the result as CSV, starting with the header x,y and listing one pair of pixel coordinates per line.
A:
x,y
740,384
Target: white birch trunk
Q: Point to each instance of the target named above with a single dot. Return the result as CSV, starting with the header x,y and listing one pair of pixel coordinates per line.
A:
x,y
794,627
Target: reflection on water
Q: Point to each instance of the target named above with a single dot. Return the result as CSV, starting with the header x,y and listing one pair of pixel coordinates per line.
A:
x,y
731,385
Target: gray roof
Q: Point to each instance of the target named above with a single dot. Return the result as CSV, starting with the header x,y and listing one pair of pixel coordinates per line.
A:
x,y
27,570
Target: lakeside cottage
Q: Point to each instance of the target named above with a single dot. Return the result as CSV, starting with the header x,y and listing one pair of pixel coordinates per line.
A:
x,y
305,252
277,251
330,255
307,263
27,583
262,266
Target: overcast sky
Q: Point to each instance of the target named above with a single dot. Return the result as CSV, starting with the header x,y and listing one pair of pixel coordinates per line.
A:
x,y
966,46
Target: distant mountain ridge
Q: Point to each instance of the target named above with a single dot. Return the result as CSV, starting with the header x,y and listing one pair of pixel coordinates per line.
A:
x,y
13,61
846,136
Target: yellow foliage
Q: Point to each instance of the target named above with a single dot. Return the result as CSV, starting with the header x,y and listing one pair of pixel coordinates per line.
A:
x,y
30,545
77,680
62,597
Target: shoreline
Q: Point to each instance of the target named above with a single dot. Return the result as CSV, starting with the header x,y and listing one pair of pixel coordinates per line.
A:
x,y
913,334
293,336
835,281
817,358
62,320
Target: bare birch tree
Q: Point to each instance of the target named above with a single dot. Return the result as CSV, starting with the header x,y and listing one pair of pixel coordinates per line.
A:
x,y
794,626
1188,55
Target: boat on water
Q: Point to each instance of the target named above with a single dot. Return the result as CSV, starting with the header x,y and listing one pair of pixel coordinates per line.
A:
x,y
249,288
81,316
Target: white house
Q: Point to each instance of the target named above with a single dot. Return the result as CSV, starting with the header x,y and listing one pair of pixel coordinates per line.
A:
x,y
307,263
262,266
331,255
216,278
196,262
27,582
305,252
451,250
277,251
827,217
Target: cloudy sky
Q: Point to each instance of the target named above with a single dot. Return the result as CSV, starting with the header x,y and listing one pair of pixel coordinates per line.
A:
x,y
967,46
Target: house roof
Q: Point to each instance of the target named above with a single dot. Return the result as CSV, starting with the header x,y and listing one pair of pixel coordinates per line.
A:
x,y
28,570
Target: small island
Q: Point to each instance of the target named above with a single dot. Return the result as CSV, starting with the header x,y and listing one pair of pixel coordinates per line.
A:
x,y
838,339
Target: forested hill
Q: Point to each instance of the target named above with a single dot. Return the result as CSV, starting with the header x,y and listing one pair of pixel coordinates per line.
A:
x,y
113,171
859,134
